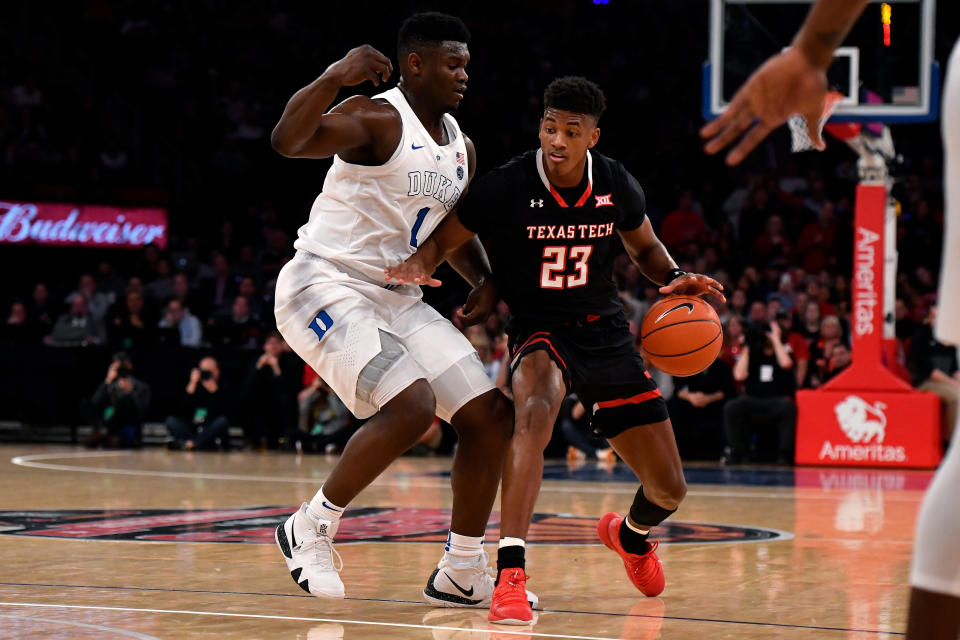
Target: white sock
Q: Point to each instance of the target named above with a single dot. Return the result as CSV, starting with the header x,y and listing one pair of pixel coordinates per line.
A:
x,y
512,542
635,527
320,508
463,550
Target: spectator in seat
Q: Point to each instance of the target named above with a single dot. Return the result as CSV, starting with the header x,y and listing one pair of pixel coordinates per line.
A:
x,y
98,303
133,324
186,325
201,420
934,368
271,392
325,423
18,327
840,359
76,328
766,369
796,345
831,334
808,322
696,411
120,405
40,308
238,326
582,442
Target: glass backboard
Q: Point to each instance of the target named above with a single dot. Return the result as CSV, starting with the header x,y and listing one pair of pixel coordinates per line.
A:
x,y
884,69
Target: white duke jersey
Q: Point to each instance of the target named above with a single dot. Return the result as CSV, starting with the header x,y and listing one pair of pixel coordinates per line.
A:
x,y
368,218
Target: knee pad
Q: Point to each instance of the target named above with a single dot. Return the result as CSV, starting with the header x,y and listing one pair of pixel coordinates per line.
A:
x,y
391,351
642,511
463,381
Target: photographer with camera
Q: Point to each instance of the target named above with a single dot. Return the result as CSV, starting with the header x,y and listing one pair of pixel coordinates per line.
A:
x,y
202,422
766,369
119,404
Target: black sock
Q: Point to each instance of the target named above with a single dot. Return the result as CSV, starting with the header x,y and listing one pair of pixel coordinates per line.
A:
x,y
631,541
511,557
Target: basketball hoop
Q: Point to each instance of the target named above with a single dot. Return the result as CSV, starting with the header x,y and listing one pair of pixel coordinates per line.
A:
x,y
800,137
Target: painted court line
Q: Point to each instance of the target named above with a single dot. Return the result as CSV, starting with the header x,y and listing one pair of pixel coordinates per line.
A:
x,y
33,461
419,603
498,630
95,627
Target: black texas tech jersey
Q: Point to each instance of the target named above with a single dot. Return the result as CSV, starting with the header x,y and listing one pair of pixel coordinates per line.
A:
x,y
551,250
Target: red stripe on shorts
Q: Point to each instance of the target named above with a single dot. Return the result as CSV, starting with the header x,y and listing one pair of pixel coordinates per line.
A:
x,y
637,399
549,344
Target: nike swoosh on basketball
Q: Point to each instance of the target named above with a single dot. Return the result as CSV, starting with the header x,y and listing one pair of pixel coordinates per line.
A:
x,y
415,147
462,590
688,305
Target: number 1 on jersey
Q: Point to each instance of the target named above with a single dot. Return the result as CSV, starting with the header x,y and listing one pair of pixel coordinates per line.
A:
x,y
555,262
416,226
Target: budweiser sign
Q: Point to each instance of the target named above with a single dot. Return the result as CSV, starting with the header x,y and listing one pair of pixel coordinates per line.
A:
x,y
81,225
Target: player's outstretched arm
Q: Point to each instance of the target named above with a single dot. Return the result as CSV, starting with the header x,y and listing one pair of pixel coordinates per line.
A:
x,y
418,268
307,130
654,261
790,82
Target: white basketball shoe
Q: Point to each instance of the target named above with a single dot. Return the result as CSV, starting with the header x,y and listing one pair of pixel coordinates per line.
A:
x,y
308,550
451,585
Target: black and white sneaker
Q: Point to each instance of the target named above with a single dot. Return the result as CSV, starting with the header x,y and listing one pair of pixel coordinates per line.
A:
x,y
308,551
471,586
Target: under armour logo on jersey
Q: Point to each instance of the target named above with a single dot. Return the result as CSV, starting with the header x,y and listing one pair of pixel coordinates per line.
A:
x,y
321,324
604,201
534,202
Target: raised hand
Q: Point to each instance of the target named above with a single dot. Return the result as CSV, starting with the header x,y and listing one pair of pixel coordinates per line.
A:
x,y
786,84
360,64
694,284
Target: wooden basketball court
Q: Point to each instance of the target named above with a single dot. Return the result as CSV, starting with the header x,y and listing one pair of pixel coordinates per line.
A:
x,y
156,544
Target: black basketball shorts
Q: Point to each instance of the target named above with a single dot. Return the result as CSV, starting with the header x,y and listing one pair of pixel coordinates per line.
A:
x,y
600,364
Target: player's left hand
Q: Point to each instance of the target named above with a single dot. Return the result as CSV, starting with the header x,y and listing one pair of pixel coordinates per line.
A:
x,y
694,284
479,305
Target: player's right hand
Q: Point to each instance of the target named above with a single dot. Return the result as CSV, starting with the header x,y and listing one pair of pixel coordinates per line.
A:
x,y
360,64
412,271
786,84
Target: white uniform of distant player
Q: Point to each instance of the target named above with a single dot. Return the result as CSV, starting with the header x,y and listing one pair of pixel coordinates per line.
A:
x,y
936,565
369,340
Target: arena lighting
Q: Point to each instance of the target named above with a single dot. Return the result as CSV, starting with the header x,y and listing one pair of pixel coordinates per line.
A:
x,y
885,11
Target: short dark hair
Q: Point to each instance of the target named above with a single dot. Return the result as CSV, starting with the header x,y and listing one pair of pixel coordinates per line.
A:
x,y
576,94
429,28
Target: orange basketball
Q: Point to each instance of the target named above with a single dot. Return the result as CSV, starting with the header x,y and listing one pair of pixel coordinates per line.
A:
x,y
681,335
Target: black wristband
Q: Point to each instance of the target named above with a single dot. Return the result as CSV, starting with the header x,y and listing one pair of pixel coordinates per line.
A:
x,y
673,274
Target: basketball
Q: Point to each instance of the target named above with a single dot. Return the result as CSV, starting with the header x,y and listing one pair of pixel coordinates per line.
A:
x,y
681,335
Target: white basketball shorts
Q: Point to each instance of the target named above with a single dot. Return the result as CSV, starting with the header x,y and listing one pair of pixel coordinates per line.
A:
x,y
339,323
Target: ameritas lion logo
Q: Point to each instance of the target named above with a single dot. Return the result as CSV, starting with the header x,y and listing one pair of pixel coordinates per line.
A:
x,y
861,422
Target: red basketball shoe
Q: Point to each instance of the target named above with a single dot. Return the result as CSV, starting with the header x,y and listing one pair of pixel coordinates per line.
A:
x,y
509,604
645,571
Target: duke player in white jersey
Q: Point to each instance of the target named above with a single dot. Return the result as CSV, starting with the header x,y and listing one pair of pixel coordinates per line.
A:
x,y
400,163
795,82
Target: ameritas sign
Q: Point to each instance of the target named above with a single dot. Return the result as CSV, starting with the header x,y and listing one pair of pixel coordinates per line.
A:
x,y
75,225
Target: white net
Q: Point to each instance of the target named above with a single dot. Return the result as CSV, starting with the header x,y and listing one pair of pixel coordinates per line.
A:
x,y
799,136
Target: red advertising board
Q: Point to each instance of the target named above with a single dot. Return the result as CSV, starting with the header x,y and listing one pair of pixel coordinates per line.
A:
x,y
75,225
868,428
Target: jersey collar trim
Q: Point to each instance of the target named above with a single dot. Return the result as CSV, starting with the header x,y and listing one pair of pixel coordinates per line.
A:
x,y
556,195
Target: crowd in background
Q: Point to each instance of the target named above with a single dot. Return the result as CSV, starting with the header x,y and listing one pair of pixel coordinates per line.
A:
x,y
155,106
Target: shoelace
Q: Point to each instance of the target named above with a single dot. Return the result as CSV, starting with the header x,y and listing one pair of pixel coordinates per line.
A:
x,y
323,553
640,565
517,592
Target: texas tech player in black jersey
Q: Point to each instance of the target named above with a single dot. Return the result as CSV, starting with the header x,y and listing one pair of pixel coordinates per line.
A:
x,y
549,218
555,246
